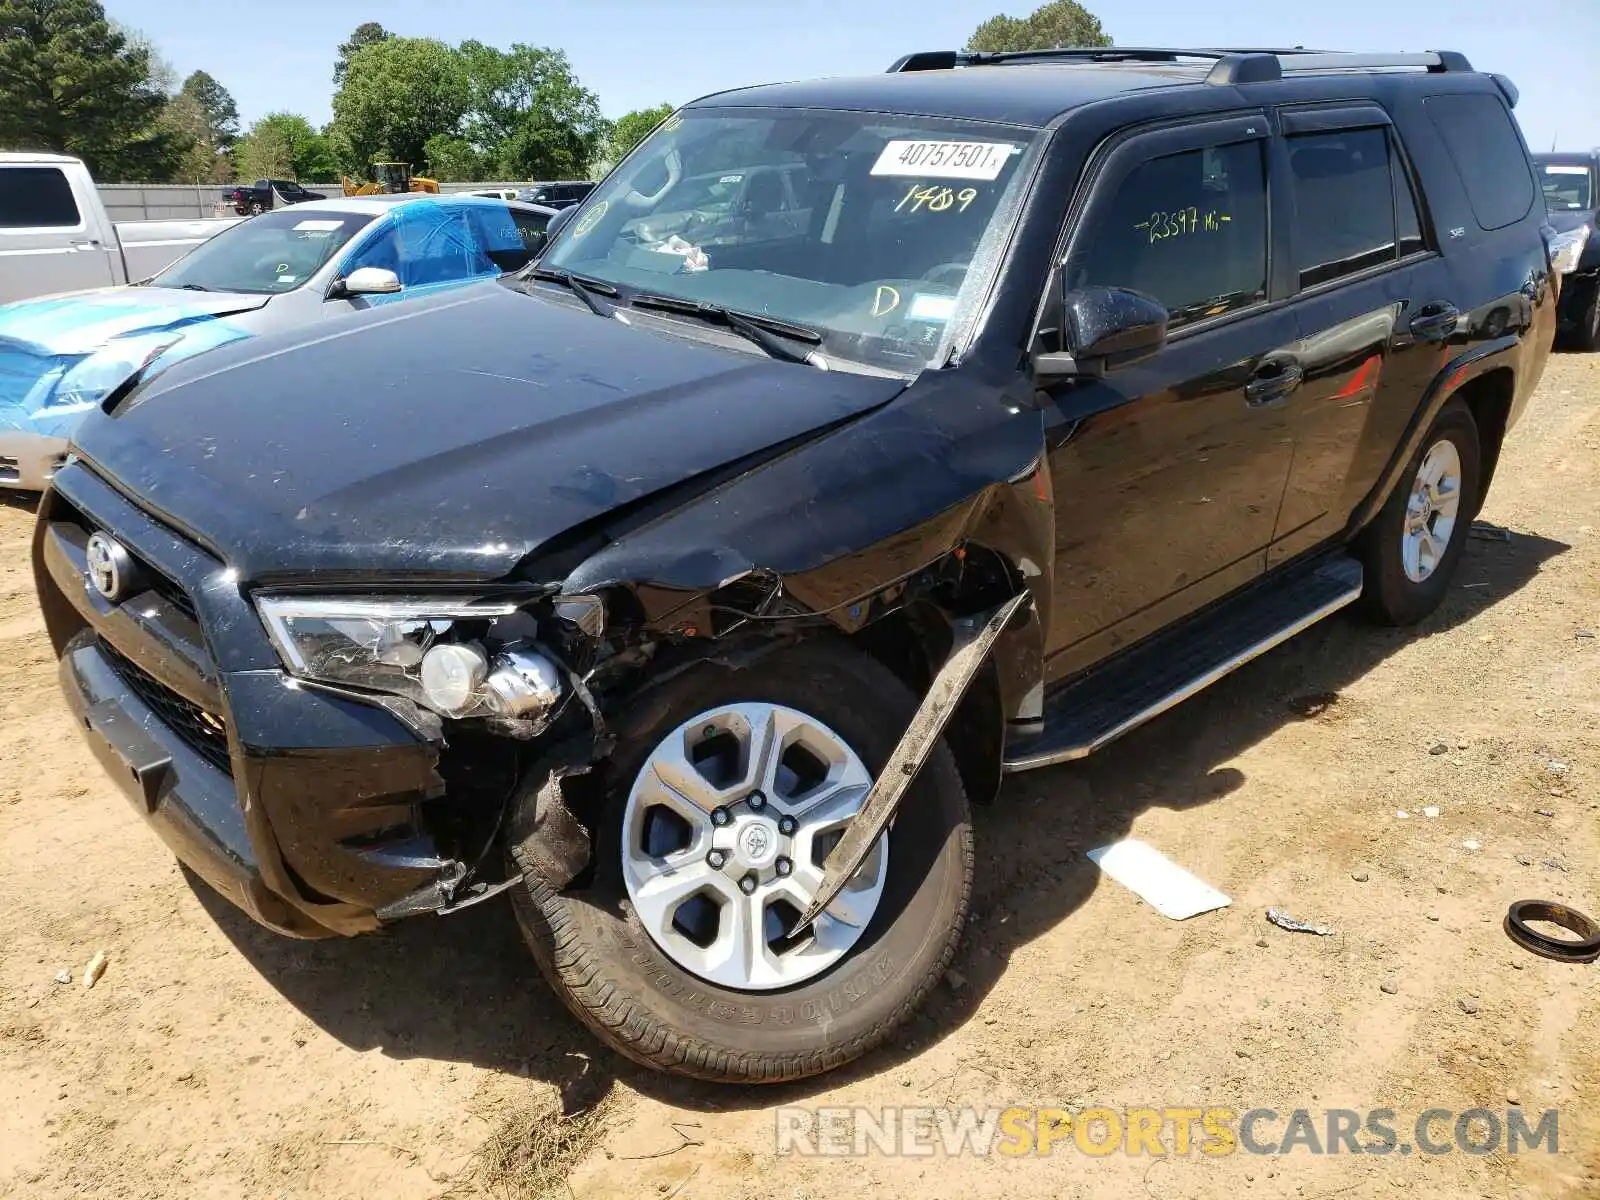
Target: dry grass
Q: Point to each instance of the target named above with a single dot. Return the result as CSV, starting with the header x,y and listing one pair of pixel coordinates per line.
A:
x,y
533,1150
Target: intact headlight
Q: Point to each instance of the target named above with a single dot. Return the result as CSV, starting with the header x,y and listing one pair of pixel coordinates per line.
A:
x,y
92,379
431,652
1566,249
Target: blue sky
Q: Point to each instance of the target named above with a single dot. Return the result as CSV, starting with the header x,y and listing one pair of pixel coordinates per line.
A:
x,y
634,53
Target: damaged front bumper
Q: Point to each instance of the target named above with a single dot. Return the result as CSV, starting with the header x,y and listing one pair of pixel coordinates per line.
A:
x,y
311,811
190,804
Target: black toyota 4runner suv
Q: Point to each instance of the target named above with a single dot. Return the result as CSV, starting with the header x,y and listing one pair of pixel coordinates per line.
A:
x,y
854,443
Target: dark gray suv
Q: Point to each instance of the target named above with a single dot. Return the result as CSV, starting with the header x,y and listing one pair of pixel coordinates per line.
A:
x,y
689,586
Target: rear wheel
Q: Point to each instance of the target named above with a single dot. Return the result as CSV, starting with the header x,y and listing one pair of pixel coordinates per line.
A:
x,y
256,208
1412,548
725,794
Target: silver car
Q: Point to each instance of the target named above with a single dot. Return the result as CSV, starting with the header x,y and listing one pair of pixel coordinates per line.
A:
x,y
60,355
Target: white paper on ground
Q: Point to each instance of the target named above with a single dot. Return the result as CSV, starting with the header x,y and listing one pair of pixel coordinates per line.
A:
x,y
1157,880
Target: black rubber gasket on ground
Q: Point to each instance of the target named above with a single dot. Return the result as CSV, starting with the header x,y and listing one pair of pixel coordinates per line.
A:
x,y
1518,930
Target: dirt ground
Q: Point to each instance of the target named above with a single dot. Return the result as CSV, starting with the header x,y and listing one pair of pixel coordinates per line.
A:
x,y
215,1059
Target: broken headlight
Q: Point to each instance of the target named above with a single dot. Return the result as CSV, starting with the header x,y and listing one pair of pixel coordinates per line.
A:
x,y
440,654
1566,249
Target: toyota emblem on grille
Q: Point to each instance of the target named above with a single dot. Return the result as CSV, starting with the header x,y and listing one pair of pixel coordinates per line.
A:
x,y
108,564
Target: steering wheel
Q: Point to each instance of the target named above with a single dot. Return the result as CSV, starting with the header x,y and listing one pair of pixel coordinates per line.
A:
x,y
958,269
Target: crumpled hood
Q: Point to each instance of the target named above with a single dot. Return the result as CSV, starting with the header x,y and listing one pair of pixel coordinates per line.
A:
x,y
445,438
44,338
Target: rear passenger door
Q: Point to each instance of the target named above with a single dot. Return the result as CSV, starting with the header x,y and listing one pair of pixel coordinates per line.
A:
x,y
1371,311
1167,474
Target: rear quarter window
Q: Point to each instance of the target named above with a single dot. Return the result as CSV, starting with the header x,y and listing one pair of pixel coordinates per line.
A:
x,y
36,198
1488,154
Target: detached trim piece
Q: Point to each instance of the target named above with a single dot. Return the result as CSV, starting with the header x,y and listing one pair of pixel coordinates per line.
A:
x,y
975,637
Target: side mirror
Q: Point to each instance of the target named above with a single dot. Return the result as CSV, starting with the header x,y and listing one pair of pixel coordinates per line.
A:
x,y
557,222
1104,328
370,281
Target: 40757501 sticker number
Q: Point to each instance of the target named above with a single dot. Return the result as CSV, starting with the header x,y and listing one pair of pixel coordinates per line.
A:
x,y
944,160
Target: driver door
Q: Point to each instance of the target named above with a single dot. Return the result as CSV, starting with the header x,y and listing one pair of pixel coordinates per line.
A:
x,y
1168,474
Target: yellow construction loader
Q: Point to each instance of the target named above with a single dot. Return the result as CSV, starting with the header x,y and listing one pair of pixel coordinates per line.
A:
x,y
390,179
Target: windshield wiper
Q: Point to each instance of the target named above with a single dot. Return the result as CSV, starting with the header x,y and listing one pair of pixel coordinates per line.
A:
x,y
589,291
193,287
775,337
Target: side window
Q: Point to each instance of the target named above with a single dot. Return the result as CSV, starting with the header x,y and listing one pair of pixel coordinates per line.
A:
x,y
507,238
1344,203
1189,229
1484,145
382,251
37,198
1407,216
435,245
532,228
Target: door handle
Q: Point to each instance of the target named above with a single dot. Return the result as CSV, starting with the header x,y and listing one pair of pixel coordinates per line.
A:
x,y
1435,322
1272,383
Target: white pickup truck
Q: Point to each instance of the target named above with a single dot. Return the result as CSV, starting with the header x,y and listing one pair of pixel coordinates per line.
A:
x,y
55,235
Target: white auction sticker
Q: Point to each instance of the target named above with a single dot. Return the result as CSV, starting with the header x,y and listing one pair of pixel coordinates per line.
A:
x,y
318,226
925,307
1557,169
944,160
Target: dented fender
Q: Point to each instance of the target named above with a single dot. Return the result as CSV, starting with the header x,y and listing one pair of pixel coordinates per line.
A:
x,y
843,524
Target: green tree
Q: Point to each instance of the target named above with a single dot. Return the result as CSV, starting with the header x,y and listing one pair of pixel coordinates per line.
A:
x,y
528,114
202,161
71,83
397,94
160,74
216,102
453,159
630,130
1060,23
284,145
369,33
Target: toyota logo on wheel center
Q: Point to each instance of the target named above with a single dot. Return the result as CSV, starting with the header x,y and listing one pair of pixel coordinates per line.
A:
x,y
757,843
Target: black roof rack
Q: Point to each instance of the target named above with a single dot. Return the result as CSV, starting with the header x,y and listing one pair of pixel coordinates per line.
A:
x,y
1230,66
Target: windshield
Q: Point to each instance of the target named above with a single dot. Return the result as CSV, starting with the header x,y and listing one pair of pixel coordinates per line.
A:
x,y
871,229
275,252
1566,187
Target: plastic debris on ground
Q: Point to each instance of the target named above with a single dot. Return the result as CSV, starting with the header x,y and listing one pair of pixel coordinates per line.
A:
x,y
95,969
1157,880
1284,921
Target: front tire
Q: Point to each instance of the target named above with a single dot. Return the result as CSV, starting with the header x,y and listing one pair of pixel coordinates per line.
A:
x,y
655,985
1413,547
1586,334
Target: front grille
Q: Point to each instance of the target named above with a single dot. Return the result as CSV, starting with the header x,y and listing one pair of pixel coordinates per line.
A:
x,y
204,733
171,593
160,584
10,470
